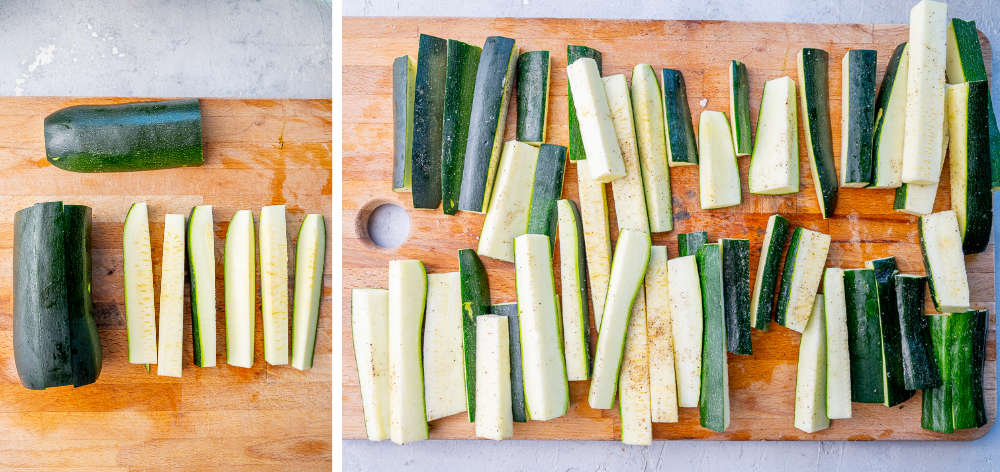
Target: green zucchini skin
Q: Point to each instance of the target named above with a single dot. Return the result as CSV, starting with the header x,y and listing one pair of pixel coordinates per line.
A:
x,y
689,243
978,196
864,336
460,83
532,96
882,100
857,164
125,137
974,69
892,349
712,399
509,310
814,88
769,281
785,291
548,186
920,369
677,118
736,294
739,108
967,335
428,121
403,75
486,122
581,265
935,414
475,288
55,335
576,151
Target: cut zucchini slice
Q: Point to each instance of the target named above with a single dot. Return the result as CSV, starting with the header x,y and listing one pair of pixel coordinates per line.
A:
x,y
647,110
736,294
941,245
686,327
509,310
688,243
475,292
633,383
444,376
969,153
509,211
774,165
493,393
532,96
964,59
892,349
739,107
630,198
274,283
201,263
407,297
864,336
140,297
810,377
546,189
627,272
604,157
766,283
171,343
936,402
662,378
546,391
713,402
967,338
428,118
803,270
576,150
241,290
573,276
923,151
310,256
681,148
838,354
460,83
597,238
890,120
404,73
370,330
920,369
857,123
718,173
814,89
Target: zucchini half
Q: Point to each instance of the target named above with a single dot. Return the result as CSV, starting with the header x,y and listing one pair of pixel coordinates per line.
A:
x,y
736,294
923,150
171,343
140,296
273,283
838,354
766,282
892,348
814,90
370,330
241,290
969,158
201,264
407,297
444,375
941,246
597,239
428,120
597,130
960,349
920,369
713,402
493,393
532,96
864,336
662,377
803,270
509,310
630,198
890,119
687,325
964,60
310,257
576,150
774,163
858,117
573,276
475,292
811,374
739,108
718,173
547,188
681,141
511,205
404,73
647,109
633,382
460,83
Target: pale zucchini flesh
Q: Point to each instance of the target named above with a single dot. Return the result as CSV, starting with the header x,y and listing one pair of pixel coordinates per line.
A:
x,y
918,199
274,283
686,327
647,110
801,279
604,160
140,296
941,245
407,297
201,263
444,372
662,378
766,280
310,257
810,378
494,417
718,174
241,290
575,316
890,121
627,272
838,357
922,137
630,199
370,330
774,161
633,384
171,343
507,217
597,239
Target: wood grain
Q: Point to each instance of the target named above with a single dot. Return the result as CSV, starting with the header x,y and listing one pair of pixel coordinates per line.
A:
x,y
258,152
863,227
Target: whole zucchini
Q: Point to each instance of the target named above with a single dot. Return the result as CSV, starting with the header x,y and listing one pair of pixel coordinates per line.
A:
x,y
125,137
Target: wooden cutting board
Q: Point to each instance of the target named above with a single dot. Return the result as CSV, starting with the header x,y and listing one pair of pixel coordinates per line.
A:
x,y
257,152
762,385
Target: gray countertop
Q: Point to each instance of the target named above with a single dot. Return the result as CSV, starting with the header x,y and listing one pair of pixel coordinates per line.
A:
x,y
437,456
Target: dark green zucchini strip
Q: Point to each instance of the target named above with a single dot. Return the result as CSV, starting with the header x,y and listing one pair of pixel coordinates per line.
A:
x,y
516,373
547,190
785,290
403,75
768,276
920,369
532,96
974,69
970,163
681,147
475,288
814,91
689,243
736,294
460,80
739,108
882,101
428,120
892,349
967,335
935,414
576,151
857,167
864,336
712,404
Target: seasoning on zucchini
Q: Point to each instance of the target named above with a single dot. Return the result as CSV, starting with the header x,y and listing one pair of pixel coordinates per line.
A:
x,y
681,141
858,117
890,117
814,90
532,96
460,82
969,159
428,119
766,283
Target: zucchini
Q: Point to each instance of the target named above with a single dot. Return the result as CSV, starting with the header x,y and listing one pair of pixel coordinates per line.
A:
x,y
804,263
864,336
890,119
493,392
428,119
662,378
920,369
686,327
923,149
444,375
171,342
713,402
532,96
241,290
475,293
627,272
547,187
858,117
310,256
968,132
739,107
940,244
404,74
576,150
630,198
964,63
918,199
967,338
509,310
604,161
736,294
370,330
407,298
201,264
681,148
633,383
813,67
766,280
125,137
509,211
55,338
140,296
494,78
688,243
936,402
573,277
647,109
546,391
718,173
460,83
273,283
892,348
810,377
838,354
597,238
774,163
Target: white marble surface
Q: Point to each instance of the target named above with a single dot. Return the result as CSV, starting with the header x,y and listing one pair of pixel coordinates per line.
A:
x,y
439,456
